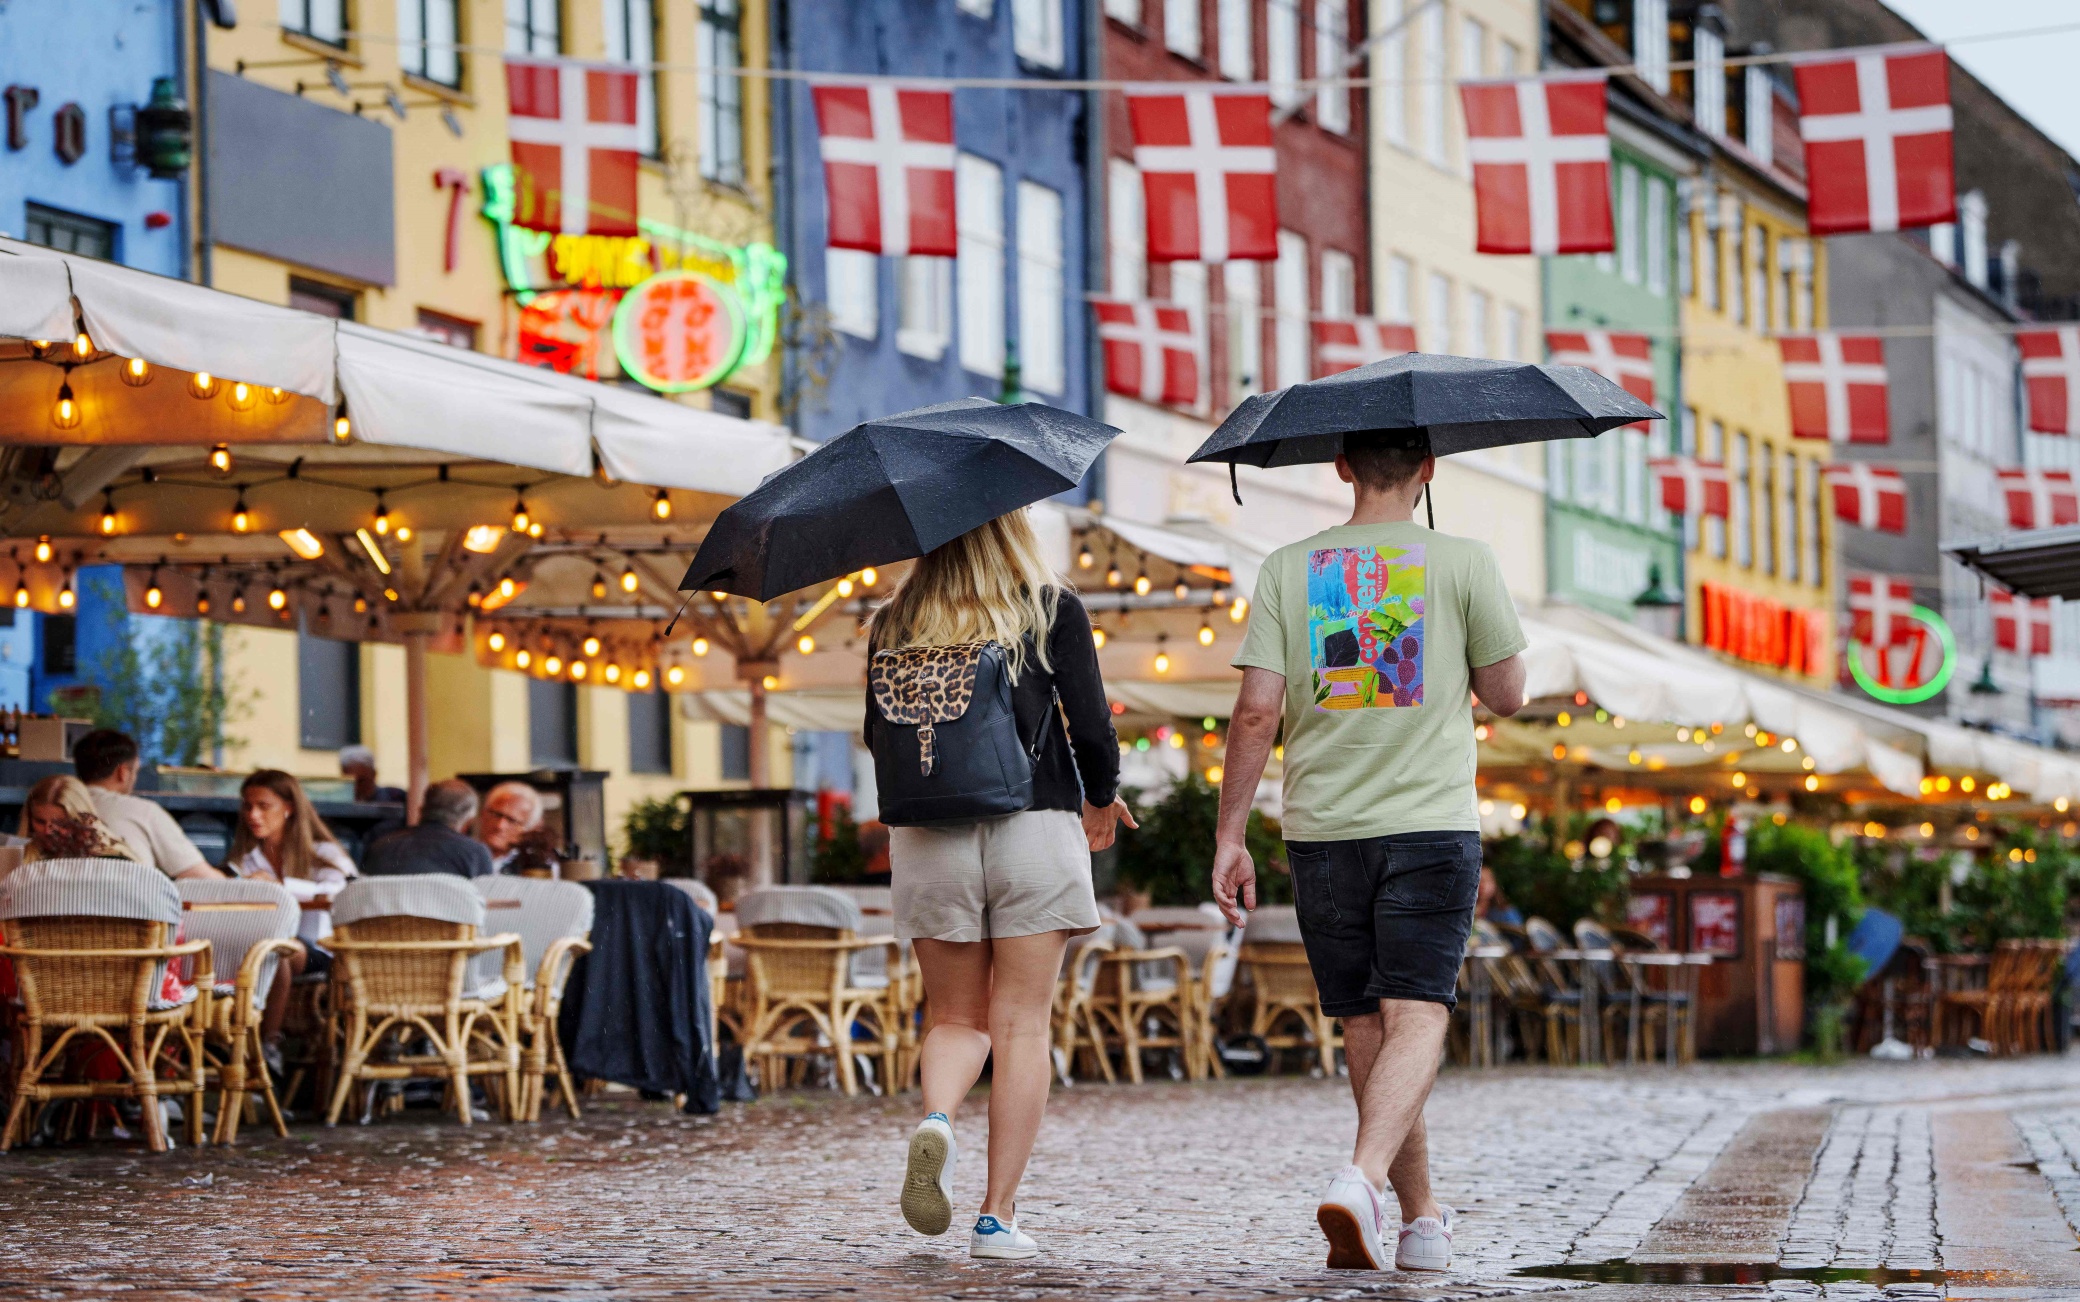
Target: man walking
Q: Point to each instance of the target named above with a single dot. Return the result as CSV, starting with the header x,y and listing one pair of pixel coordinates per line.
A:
x,y
1365,641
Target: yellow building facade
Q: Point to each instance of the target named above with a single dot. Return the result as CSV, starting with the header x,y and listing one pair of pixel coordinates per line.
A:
x,y
432,74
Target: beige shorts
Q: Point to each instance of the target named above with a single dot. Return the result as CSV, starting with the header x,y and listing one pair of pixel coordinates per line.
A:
x,y
1012,876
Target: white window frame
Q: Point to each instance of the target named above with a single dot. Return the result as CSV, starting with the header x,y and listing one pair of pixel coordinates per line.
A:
x,y
1042,320
629,30
1761,112
1511,345
1509,57
1126,252
1282,52
1390,60
1332,54
1478,306
1657,236
1398,294
1290,281
1181,28
979,8
1036,31
1126,11
924,306
429,36
1430,57
1236,32
532,26
1188,291
1708,82
979,271
1739,466
852,291
321,20
1243,284
719,28
1339,284
1650,42
1629,241
1437,313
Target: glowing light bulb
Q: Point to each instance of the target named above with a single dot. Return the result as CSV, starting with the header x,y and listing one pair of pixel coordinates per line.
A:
x,y
108,516
578,668
1205,634
674,676
661,506
700,648
641,680
535,530
1162,662
507,588
1182,590
342,428
66,414
21,595
1697,804
482,538
612,673
553,665
870,576
497,642
202,384
361,605
153,596
1097,635
844,587
1142,585
1113,578
1084,559
521,520
238,602
82,346
523,659
382,520
241,397
629,581
43,549
599,586
1239,610
66,598
220,458
404,533
805,644
277,599
136,372
769,682
592,646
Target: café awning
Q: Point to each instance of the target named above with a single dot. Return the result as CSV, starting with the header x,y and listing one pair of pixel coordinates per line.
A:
x,y
2029,562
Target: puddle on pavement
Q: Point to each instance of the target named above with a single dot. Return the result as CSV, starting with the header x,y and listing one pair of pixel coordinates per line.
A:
x,y
1724,1272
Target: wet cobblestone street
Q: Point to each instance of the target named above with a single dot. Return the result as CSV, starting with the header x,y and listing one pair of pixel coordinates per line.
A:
x,y
1161,1191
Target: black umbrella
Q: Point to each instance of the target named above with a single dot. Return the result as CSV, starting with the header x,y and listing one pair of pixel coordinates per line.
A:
x,y
893,489
1464,404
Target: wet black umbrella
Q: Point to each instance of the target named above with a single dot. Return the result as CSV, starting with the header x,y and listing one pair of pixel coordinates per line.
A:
x,y
891,490
1464,404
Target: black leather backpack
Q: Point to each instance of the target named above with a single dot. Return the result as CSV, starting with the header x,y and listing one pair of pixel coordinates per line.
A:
x,y
946,741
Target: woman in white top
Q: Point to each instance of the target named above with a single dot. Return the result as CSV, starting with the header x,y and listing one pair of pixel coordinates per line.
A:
x,y
281,839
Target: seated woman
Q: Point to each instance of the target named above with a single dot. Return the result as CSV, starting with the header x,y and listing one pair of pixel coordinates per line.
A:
x,y
59,822
281,839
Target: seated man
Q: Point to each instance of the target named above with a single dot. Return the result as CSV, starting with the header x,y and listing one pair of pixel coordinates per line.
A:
x,y
511,811
106,760
359,763
437,844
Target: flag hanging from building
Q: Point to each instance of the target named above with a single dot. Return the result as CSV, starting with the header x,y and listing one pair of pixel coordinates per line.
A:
x,y
888,169
1837,385
1692,487
1346,344
2039,499
1876,127
2051,373
1541,158
1153,351
1881,610
1206,163
576,143
1626,360
1867,496
2020,625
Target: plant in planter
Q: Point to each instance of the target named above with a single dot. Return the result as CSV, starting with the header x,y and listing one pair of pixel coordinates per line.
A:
x,y
656,839
1834,905
839,858
1169,858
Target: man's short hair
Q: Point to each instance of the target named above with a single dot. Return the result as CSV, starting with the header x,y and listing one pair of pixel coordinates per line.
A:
x,y
1382,460
97,756
451,803
524,792
356,757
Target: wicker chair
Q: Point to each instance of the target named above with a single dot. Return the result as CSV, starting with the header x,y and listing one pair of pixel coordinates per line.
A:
x,y
1142,1000
90,941
1287,1012
554,920
405,950
250,925
1076,1036
813,983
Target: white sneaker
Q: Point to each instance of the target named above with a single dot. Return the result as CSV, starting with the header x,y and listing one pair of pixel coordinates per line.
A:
x,y
1426,1243
1351,1217
996,1240
928,1180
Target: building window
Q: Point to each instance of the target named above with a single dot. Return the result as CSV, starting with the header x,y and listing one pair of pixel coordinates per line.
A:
x,y
1715,526
980,8
1657,236
631,37
1440,313
1650,42
1708,261
1339,284
1809,482
1632,447
552,723
1768,522
1290,302
1400,290
1181,32
736,752
1042,347
1036,31
1245,330
1125,247
1188,291
979,214
1476,323
721,93
67,232
1761,115
1473,49
1332,54
321,20
1237,41
1629,242
1759,279
427,40
328,692
534,26
325,300
450,330
1789,547
1430,56
1709,105
1510,347
58,644
851,285
924,306
730,402
1392,94
1282,51
1126,11
649,732
1737,468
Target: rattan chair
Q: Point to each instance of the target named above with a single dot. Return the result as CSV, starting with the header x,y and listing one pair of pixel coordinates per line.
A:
x,y
90,941
554,921
250,925
1286,1012
404,950
811,989
1142,1000
1076,1035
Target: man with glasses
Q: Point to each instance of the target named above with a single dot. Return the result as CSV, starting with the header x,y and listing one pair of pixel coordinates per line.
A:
x,y
511,811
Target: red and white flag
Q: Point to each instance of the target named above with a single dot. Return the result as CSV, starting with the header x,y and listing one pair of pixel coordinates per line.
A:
x,y
1881,610
1876,128
1867,496
2039,499
1837,385
1347,344
576,145
1153,351
2051,372
1626,360
1689,486
888,169
1541,160
1207,180
2020,623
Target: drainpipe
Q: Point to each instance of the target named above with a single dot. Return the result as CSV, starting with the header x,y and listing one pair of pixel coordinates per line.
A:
x,y
198,166
1094,225
780,119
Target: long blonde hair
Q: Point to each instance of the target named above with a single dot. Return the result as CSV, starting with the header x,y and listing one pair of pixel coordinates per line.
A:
x,y
300,835
70,795
991,584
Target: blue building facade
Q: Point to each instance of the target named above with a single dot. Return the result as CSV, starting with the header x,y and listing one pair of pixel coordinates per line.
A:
x,y
884,334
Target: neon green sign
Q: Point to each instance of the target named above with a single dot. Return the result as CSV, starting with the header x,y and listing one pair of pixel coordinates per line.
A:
x,y
1920,692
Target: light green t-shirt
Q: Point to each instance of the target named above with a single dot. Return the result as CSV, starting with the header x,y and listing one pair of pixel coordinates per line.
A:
x,y
1377,629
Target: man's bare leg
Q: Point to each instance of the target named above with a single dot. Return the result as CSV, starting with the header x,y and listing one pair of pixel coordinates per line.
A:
x,y
1393,1064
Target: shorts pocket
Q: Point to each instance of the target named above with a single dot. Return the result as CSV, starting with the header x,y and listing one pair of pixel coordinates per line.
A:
x,y
1432,876
1313,900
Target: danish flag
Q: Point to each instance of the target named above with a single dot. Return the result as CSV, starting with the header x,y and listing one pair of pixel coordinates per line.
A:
x,y
1867,496
1691,486
1837,385
1206,166
1881,610
2016,618
1347,344
888,169
1541,160
2051,371
576,144
1877,134
2039,499
1626,360
1153,351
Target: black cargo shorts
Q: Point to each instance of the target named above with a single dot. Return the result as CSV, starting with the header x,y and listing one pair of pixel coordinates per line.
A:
x,y
1385,917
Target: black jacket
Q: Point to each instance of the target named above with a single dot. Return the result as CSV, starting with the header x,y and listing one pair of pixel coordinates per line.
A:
x,y
1088,748
635,1009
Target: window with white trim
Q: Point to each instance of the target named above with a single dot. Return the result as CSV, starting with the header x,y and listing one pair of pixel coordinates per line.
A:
x,y
1809,483
1438,326
721,92
1650,42
321,20
1282,51
979,214
1400,293
851,287
979,8
1508,58
1292,334
1511,346
1234,28
1036,31
1431,87
1181,33
630,28
1628,224
1041,345
1473,49
427,38
1127,11
1743,503
532,26
1332,55
1188,291
1245,329
1391,61
1715,526
1761,112
1339,284
1708,104
1127,238
1657,236
1476,323
924,306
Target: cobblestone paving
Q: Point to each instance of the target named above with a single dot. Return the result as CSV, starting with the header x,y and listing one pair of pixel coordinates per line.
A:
x,y
1160,1191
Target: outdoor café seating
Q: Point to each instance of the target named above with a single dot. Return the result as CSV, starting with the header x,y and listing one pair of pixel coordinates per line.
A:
x,y
1285,1012
554,922
1077,1039
91,942
810,991
1141,1001
2009,1012
1212,948
249,926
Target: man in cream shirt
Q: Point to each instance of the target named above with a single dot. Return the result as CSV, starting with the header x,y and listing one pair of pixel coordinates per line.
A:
x,y
106,760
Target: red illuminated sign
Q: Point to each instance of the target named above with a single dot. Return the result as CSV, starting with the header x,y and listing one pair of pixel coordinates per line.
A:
x,y
1762,631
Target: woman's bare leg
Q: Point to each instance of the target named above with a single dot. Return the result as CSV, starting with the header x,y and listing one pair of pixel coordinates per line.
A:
x,y
956,1044
1021,1004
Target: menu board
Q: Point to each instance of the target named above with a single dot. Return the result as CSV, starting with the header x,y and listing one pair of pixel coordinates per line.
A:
x,y
1715,923
1650,913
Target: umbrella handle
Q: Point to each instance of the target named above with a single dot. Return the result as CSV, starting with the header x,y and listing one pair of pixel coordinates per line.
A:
x,y
1234,486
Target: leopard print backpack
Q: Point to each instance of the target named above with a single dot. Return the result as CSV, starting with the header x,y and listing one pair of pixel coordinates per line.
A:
x,y
946,741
